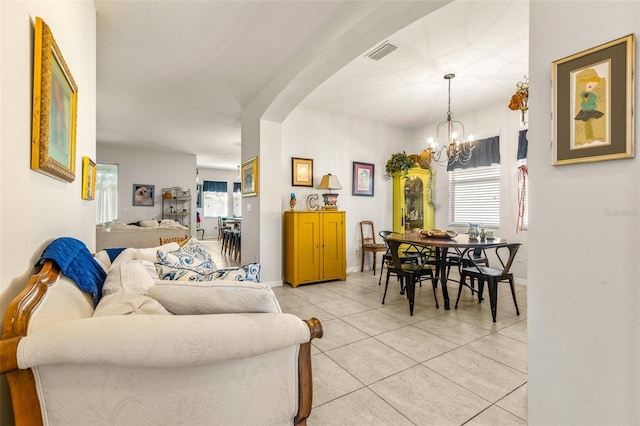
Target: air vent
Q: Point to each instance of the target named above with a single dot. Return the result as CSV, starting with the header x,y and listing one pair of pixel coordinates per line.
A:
x,y
381,51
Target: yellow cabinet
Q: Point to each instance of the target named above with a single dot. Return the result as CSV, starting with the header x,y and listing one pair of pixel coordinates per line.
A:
x,y
314,246
413,201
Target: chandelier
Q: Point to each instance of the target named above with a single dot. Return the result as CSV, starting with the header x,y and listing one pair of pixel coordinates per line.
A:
x,y
455,150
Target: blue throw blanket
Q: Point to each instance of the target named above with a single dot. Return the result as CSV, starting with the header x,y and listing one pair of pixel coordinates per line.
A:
x,y
76,262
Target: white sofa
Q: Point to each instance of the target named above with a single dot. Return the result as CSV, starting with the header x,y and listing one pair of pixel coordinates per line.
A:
x,y
121,235
68,366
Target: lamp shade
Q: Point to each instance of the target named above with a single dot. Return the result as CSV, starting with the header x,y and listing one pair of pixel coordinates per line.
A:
x,y
329,182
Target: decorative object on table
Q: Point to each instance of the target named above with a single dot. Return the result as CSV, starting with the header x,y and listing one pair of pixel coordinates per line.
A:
x,y
473,231
55,105
593,104
249,176
143,195
311,202
438,233
520,99
301,172
363,179
330,182
455,148
292,201
88,179
399,163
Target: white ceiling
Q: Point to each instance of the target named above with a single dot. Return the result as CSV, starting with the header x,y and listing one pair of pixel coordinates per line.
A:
x,y
174,75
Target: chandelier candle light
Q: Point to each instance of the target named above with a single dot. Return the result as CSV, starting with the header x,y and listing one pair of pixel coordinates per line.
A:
x,y
330,182
455,150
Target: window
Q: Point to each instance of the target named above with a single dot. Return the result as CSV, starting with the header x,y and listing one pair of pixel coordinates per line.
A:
x,y
215,198
106,192
474,196
237,199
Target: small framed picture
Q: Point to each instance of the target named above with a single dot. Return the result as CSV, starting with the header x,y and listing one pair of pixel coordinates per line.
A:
x,y
301,172
249,176
363,174
88,179
593,104
143,195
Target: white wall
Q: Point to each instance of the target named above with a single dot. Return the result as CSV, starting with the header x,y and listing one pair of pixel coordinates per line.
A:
x,y
584,292
334,142
139,166
36,208
496,119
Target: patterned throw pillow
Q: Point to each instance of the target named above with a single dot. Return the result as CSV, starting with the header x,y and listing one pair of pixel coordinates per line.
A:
x,y
248,272
191,256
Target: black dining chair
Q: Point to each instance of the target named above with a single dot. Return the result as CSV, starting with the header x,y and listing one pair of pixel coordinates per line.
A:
x,y
491,276
387,260
408,273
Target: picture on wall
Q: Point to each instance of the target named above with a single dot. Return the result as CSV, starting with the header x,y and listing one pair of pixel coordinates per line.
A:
x,y
55,104
88,179
301,172
592,104
143,195
249,175
363,174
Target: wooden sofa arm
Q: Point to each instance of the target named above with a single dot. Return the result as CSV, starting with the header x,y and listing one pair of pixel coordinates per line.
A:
x,y
305,377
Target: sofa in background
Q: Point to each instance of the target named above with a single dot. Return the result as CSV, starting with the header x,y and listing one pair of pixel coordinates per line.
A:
x,y
146,234
197,353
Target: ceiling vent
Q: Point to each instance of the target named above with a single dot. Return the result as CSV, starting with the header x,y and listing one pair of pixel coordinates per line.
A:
x,y
381,51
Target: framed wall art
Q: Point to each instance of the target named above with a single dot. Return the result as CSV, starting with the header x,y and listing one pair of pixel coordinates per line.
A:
x,y
55,104
301,172
593,104
363,174
249,177
88,179
143,195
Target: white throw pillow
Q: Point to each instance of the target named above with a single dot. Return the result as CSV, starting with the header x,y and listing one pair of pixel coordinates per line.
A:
x,y
214,297
152,223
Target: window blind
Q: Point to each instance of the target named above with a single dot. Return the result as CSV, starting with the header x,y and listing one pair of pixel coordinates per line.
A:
x,y
474,196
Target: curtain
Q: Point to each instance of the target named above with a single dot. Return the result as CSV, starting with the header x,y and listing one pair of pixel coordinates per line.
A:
x,y
236,187
214,186
523,145
485,153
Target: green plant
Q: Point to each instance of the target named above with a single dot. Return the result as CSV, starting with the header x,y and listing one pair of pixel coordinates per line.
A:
x,y
401,163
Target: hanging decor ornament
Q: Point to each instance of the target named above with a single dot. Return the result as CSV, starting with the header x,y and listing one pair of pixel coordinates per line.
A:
x,y
519,100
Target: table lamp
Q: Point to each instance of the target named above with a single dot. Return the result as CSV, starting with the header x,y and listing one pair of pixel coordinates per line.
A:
x,y
330,182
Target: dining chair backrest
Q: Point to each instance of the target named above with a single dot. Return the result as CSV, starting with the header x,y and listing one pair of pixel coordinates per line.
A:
x,y
513,250
367,232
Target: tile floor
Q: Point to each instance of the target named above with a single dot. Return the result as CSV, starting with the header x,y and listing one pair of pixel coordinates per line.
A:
x,y
378,365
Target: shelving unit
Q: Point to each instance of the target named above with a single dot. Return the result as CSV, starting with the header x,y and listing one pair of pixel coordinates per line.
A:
x,y
176,205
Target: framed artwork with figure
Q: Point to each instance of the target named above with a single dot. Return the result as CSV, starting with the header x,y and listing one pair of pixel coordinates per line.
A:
x,y
55,104
143,195
593,104
363,174
249,177
301,172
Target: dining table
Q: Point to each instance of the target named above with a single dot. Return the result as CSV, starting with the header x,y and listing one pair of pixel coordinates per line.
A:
x,y
440,249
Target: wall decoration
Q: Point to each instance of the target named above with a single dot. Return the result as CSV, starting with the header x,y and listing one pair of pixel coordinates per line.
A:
x,y
301,172
88,179
199,195
363,174
593,104
55,103
249,175
143,195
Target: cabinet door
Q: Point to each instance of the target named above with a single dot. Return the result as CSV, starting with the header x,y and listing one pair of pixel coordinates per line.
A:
x,y
309,247
333,244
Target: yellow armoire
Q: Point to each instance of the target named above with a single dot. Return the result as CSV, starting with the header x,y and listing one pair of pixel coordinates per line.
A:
x,y
314,246
413,201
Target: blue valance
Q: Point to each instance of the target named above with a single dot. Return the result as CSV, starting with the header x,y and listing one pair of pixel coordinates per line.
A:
x,y
485,153
523,145
214,186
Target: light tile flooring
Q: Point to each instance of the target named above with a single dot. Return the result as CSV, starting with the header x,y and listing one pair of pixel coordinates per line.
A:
x,y
378,365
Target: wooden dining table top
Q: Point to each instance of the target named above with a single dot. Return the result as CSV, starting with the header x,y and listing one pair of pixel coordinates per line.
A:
x,y
459,241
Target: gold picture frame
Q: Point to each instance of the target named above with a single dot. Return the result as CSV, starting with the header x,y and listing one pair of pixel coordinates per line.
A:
x,y
593,104
88,179
249,177
301,172
55,104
